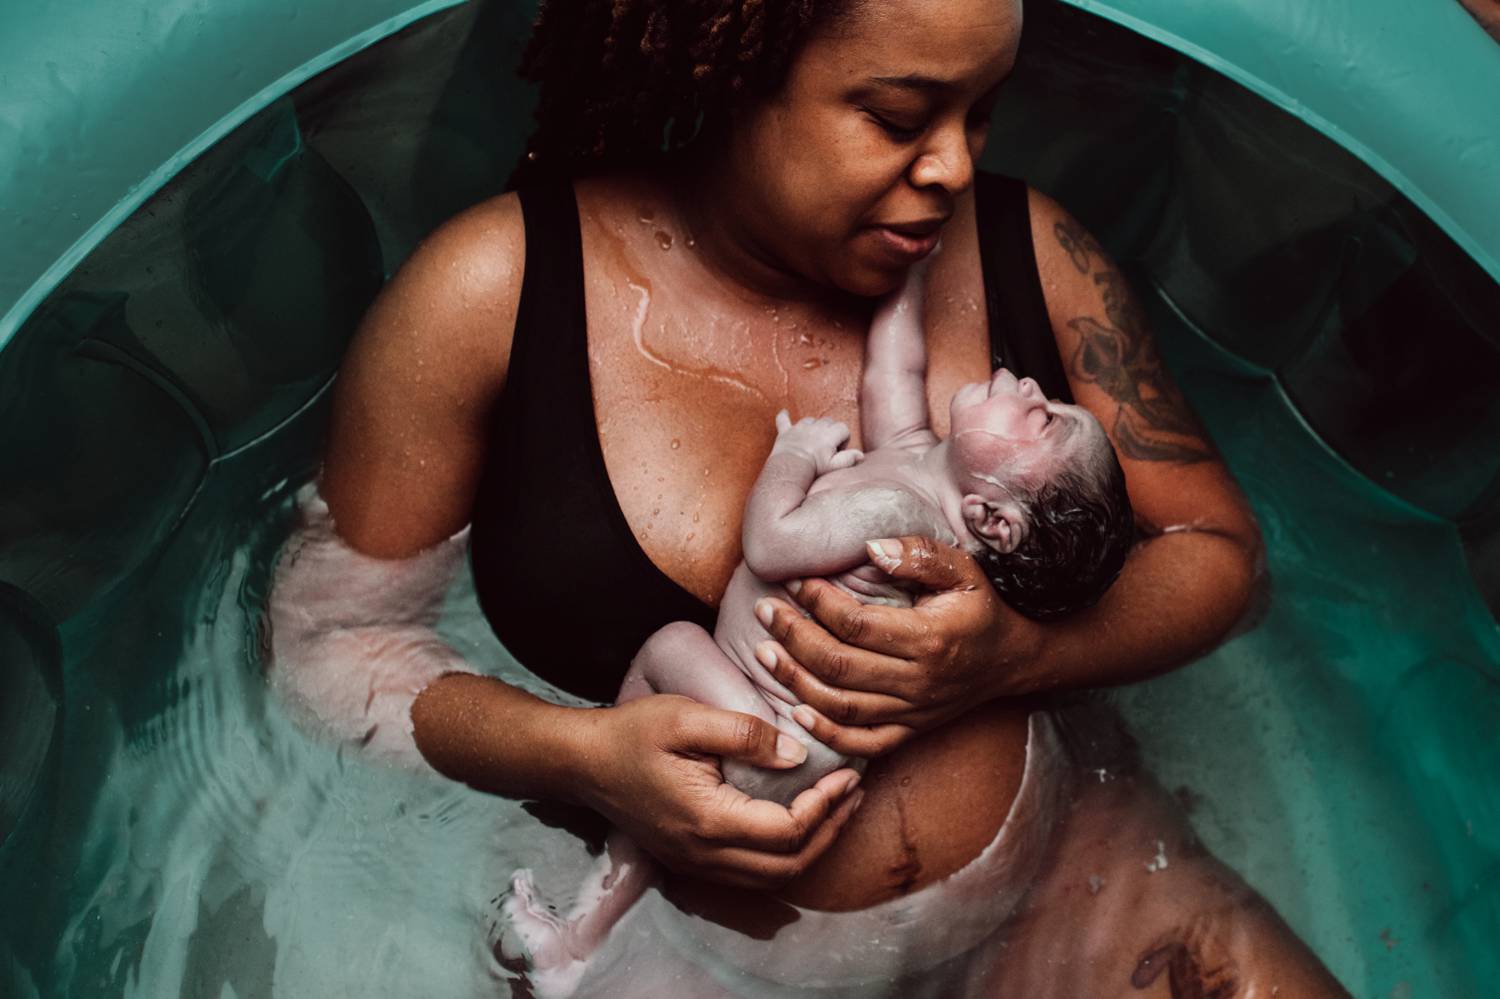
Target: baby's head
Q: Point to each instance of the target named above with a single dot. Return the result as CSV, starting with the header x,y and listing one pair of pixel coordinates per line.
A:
x,y
1043,495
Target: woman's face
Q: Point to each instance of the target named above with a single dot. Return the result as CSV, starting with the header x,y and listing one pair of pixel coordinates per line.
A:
x,y
847,174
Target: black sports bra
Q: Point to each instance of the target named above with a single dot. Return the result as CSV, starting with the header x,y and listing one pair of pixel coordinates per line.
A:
x,y
576,620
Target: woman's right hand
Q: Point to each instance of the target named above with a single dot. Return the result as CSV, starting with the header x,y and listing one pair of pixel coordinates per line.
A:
x,y
653,770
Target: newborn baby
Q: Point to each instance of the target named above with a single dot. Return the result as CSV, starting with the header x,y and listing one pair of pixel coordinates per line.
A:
x,y
1030,487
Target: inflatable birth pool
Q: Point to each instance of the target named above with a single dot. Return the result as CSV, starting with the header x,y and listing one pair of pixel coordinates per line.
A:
x,y
197,202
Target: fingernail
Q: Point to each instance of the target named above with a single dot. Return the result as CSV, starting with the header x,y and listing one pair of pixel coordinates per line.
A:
x,y
765,652
803,715
885,550
851,783
794,587
790,749
763,612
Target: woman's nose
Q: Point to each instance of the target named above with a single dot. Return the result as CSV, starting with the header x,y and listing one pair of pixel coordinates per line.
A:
x,y
947,162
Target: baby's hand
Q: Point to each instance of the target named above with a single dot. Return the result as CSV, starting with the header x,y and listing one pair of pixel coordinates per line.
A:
x,y
817,439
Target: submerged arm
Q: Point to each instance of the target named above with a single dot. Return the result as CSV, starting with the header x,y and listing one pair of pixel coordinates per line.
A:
x,y
352,643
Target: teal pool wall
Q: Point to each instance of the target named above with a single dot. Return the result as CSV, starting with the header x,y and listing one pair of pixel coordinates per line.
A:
x,y
189,256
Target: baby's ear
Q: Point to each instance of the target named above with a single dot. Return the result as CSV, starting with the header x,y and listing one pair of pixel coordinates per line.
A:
x,y
1001,525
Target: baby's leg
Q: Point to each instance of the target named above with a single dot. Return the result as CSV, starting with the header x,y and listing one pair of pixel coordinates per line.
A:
x,y
680,658
684,659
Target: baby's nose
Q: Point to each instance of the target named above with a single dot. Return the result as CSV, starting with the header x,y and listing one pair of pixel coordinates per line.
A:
x,y
1028,386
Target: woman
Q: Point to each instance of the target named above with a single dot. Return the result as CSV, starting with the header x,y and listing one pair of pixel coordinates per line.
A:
x,y
750,175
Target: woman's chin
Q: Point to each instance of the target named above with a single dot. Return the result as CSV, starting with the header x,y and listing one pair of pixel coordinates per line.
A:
x,y
872,282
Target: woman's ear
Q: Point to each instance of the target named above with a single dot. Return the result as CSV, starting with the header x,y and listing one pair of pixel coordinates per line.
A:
x,y
1001,525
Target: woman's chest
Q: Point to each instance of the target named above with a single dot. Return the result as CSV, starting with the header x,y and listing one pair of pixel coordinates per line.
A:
x,y
687,379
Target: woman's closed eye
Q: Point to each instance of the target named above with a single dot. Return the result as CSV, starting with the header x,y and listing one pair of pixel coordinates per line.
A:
x,y
897,130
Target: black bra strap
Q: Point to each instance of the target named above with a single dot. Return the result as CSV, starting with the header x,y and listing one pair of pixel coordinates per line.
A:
x,y
1021,335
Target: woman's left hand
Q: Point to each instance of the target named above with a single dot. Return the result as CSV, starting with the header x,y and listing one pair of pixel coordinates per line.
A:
x,y
872,676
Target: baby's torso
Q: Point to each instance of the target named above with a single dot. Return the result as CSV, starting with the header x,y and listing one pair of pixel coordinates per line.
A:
x,y
888,479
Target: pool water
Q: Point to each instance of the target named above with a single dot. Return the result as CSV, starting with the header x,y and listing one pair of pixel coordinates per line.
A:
x,y
202,846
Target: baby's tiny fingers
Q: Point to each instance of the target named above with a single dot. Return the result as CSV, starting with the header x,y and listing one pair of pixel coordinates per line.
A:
x,y
847,459
783,421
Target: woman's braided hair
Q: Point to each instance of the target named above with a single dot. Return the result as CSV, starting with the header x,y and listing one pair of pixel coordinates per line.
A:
x,y
631,81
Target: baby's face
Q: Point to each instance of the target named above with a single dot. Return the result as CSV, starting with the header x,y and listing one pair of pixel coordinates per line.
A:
x,y
1005,430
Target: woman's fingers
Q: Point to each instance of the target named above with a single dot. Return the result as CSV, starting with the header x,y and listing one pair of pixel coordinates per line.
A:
x,y
715,732
760,870
894,631
847,707
743,821
839,665
934,565
867,741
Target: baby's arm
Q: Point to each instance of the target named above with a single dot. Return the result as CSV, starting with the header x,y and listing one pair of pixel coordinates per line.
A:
x,y
788,534
893,395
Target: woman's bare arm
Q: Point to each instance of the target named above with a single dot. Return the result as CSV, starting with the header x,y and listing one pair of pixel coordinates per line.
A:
x,y
412,406
1192,578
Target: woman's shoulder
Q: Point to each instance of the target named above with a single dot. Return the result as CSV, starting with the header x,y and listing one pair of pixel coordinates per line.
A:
x,y
430,357
453,302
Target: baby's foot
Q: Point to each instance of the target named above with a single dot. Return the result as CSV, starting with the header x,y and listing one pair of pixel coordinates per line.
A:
x,y
534,935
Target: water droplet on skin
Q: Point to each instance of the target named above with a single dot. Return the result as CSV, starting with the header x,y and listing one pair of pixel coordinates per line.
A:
x,y
691,242
663,240
812,362
804,340
695,518
646,216
705,473
676,443
691,535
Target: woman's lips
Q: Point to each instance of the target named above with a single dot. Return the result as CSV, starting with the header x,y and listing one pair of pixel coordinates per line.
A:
x,y
906,246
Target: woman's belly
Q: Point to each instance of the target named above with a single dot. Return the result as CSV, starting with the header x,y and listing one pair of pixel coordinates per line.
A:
x,y
929,808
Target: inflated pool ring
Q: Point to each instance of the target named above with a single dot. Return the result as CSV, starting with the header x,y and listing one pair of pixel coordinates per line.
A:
x,y
197,203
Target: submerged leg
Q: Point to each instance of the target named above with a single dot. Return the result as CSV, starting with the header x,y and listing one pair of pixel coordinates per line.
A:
x,y
1132,905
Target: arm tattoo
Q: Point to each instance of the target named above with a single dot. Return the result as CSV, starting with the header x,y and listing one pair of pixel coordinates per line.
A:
x,y
1153,421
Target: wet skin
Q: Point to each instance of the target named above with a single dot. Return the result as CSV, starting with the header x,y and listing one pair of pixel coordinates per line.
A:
x,y
715,298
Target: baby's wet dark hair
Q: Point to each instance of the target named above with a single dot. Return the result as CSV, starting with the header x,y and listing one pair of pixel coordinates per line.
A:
x,y
628,82
1081,529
